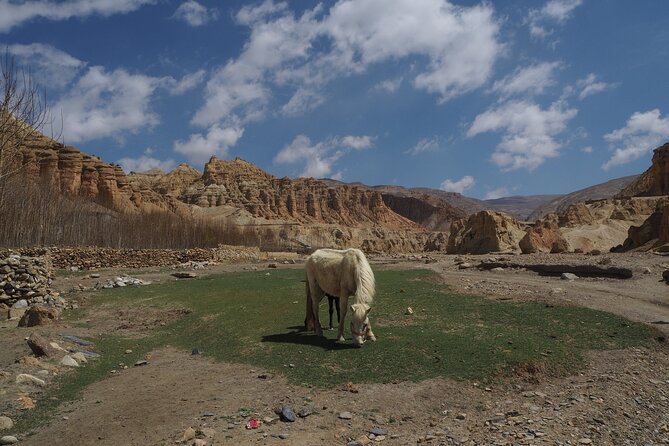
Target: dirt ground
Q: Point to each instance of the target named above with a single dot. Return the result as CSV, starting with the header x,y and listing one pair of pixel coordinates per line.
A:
x,y
620,398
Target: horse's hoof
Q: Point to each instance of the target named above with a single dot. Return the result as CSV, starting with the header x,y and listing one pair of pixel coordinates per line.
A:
x,y
341,339
373,338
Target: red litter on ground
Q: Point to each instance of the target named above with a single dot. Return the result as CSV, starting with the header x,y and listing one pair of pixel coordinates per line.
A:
x,y
253,424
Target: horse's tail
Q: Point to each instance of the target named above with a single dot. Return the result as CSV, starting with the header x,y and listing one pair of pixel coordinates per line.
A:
x,y
364,280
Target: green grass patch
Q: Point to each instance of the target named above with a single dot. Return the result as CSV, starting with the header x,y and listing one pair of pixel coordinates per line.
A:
x,y
255,318
252,318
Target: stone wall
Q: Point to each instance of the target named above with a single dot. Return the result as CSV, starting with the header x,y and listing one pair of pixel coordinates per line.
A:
x,y
93,257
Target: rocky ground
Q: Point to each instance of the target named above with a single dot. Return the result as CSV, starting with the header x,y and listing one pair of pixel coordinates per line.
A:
x,y
619,398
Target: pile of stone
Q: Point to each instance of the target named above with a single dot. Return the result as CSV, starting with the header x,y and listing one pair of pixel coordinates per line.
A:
x,y
122,281
25,280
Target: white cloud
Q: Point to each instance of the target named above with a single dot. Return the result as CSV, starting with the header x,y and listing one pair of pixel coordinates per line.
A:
x,y
194,14
144,163
13,13
252,14
643,132
389,85
424,145
107,104
590,85
494,194
49,65
458,44
199,148
529,132
554,11
357,142
532,80
319,158
187,83
587,149
458,186
302,101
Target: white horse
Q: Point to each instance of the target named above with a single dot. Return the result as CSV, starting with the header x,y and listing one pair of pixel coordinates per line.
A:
x,y
341,273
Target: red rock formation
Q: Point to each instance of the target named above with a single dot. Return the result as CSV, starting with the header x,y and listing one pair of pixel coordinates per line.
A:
x,y
484,232
654,181
543,237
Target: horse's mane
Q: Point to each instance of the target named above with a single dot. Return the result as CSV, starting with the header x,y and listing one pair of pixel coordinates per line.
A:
x,y
365,284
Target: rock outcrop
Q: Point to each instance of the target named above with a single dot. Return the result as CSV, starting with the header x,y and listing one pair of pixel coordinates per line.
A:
x,y
241,184
652,233
543,237
654,181
484,232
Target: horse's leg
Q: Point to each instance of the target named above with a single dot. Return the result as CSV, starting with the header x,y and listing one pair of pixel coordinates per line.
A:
x,y
331,301
343,305
309,318
336,301
316,295
370,335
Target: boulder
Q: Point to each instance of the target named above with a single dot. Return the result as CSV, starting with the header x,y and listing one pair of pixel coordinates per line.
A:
x,y
543,237
576,215
41,346
39,315
484,232
665,276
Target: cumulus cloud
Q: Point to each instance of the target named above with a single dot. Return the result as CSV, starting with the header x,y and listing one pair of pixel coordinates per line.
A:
x,y
199,148
357,142
553,12
319,158
459,45
591,85
643,132
50,66
14,14
494,194
144,163
529,132
194,14
531,80
186,83
458,186
389,85
107,104
424,145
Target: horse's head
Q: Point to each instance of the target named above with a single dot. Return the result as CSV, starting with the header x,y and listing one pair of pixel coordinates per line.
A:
x,y
359,323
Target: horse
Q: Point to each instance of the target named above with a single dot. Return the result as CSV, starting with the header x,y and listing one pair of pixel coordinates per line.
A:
x,y
341,273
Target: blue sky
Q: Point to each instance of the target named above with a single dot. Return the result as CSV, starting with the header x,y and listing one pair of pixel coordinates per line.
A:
x,y
489,99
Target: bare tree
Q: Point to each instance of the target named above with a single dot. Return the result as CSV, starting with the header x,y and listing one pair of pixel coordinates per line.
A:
x,y
23,112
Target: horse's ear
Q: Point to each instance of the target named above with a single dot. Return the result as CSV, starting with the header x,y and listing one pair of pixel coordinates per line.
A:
x,y
353,307
367,312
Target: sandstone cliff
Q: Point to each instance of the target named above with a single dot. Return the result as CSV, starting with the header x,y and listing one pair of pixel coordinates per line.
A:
x,y
654,181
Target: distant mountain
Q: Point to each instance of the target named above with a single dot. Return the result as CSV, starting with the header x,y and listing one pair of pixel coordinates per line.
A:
x,y
596,192
520,207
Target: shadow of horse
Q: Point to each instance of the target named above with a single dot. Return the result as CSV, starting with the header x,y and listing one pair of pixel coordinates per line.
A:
x,y
300,337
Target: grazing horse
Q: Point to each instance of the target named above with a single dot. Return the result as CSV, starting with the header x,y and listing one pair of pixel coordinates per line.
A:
x,y
341,273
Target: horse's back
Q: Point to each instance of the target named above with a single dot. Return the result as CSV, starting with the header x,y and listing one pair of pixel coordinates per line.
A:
x,y
336,269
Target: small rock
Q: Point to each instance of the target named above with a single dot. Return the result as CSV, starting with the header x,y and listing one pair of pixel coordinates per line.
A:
x,y
94,276
79,357
287,414
24,378
379,431
304,412
6,423
188,435
199,442
39,315
8,439
69,361
40,346
464,265
461,416
568,276
345,415
379,438
128,351
409,311
272,265
646,270
665,276
195,351
141,363
584,441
